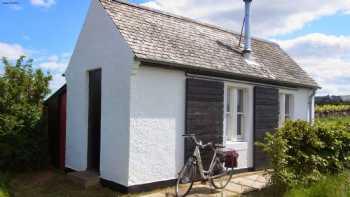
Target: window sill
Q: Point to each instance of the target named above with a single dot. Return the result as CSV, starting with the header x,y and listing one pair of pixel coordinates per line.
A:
x,y
237,145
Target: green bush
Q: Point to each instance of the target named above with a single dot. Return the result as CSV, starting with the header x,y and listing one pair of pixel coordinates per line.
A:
x,y
22,91
302,154
4,183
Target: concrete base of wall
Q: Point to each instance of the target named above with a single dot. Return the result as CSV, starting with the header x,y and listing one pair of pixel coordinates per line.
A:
x,y
150,186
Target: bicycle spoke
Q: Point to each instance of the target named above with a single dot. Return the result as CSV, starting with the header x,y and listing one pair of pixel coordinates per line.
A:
x,y
185,179
221,175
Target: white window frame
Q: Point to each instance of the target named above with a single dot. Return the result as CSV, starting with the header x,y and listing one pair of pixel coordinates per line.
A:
x,y
233,112
282,106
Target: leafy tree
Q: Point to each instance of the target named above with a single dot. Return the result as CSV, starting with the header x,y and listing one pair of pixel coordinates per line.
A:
x,y
22,92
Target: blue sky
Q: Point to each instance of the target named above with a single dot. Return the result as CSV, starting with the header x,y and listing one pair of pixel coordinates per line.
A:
x,y
318,38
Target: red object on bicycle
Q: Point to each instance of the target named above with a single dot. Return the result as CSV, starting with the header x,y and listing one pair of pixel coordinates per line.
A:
x,y
231,157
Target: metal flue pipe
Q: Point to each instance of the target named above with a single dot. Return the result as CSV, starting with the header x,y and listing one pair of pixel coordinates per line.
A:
x,y
247,34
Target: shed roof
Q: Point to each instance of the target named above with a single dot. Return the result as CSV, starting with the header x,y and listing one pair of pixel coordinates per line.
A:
x,y
164,38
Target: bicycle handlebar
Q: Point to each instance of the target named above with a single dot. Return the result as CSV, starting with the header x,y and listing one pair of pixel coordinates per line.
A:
x,y
199,143
193,136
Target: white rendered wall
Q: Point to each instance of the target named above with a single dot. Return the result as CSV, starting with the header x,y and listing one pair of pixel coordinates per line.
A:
x,y
100,45
157,115
301,105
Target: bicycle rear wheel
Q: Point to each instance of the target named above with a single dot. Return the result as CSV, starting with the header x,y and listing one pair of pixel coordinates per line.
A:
x,y
185,180
221,175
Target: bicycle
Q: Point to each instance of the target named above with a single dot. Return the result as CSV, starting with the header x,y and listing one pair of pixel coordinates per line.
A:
x,y
218,174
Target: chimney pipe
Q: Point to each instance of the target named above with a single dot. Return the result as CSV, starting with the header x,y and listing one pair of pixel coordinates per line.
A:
x,y
247,38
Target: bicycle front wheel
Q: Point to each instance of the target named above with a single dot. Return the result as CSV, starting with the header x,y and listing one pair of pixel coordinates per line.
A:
x,y
220,175
185,180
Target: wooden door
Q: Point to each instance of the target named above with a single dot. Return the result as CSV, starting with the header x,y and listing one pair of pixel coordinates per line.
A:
x,y
94,139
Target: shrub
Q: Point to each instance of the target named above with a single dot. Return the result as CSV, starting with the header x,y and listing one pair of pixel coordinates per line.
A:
x,y
303,154
22,90
4,183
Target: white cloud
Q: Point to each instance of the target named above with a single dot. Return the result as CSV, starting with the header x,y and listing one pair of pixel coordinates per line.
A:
x,y
57,81
16,7
325,57
319,45
43,3
55,64
11,51
269,17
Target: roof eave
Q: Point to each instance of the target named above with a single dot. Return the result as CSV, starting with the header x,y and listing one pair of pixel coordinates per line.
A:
x,y
190,68
62,89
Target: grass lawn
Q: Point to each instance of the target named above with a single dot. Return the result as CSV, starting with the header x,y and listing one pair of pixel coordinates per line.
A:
x,y
333,120
49,183
333,186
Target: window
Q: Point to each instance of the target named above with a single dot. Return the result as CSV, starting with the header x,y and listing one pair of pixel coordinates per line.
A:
x,y
286,108
235,113
287,114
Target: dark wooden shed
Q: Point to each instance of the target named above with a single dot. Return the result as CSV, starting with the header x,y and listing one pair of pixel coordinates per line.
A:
x,y
56,106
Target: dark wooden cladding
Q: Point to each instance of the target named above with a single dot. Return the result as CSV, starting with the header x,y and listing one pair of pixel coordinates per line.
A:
x,y
53,130
54,121
204,114
266,110
62,129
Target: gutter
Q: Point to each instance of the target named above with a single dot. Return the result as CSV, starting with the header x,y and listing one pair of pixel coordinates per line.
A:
x,y
310,105
212,78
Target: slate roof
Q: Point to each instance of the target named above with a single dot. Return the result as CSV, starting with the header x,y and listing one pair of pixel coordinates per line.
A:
x,y
167,39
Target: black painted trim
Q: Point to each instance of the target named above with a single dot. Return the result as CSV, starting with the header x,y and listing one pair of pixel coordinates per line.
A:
x,y
114,186
243,170
137,188
68,170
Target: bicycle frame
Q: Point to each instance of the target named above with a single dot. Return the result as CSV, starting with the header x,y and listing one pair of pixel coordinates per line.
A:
x,y
195,161
197,156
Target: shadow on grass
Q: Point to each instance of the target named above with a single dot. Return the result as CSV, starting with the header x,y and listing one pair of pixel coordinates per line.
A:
x,y
47,184
271,191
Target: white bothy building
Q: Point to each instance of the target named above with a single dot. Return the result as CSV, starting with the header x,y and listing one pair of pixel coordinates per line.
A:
x,y
139,79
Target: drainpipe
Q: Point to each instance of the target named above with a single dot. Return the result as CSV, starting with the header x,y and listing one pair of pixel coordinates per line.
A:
x,y
247,37
310,105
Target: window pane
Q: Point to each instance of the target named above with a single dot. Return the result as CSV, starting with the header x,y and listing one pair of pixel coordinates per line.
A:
x,y
228,100
287,104
229,125
240,100
240,119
